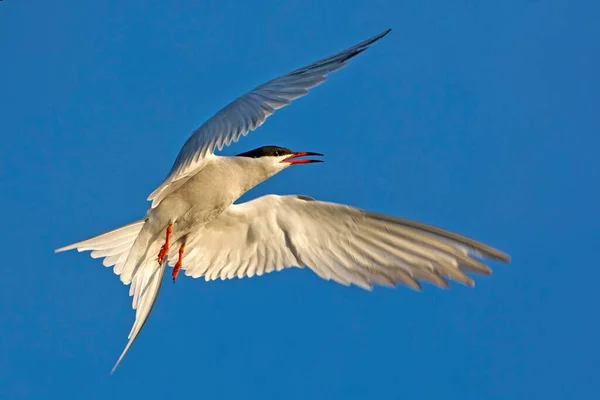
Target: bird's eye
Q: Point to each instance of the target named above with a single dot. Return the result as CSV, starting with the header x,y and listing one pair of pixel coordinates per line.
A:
x,y
276,154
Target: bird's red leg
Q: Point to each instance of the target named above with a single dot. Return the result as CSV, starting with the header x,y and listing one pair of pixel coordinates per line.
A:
x,y
179,262
165,248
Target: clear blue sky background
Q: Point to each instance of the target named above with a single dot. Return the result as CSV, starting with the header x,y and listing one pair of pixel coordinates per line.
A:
x,y
481,117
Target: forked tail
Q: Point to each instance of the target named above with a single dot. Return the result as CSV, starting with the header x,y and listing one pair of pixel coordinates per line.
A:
x,y
132,250
113,246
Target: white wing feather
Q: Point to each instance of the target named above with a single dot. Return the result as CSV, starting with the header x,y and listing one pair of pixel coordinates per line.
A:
x,y
250,111
337,242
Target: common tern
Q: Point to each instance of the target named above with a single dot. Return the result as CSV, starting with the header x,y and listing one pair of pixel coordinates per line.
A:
x,y
193,223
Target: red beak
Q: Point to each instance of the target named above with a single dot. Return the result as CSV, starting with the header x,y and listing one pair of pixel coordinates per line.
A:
x,y
292,161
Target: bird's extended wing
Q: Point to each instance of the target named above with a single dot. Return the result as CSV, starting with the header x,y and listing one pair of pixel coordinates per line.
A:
x,y
337,242
250,111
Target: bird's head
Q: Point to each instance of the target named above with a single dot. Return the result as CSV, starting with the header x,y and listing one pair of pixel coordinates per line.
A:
x,y
276,159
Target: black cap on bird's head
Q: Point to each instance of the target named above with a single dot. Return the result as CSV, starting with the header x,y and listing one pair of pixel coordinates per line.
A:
x,y
287,155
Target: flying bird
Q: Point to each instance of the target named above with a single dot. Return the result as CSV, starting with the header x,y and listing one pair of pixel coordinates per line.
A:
x,y
194,224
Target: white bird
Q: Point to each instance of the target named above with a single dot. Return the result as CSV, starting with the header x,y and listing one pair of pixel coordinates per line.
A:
x,y
193,218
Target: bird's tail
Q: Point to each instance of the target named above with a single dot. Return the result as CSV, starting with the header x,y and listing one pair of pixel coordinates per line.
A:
x,y
132,249
114,246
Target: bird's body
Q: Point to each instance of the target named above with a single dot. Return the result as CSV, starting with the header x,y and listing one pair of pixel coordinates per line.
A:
x,y
194,203
208,192
194,223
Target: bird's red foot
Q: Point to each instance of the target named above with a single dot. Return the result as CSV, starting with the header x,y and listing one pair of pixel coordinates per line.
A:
x,y
179,263
165,248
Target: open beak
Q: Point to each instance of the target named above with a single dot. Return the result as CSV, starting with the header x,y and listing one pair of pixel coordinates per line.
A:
x,y
292,159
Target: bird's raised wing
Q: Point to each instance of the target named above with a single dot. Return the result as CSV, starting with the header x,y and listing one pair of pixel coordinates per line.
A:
x,y
250,111
337,242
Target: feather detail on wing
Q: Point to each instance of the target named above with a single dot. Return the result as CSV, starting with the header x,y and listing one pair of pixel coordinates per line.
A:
x,y
337,242
250,111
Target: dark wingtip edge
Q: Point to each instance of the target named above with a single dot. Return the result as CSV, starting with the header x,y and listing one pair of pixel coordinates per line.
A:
x,y
377,37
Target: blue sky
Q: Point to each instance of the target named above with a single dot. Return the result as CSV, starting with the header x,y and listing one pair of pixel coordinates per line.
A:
x,y
481,117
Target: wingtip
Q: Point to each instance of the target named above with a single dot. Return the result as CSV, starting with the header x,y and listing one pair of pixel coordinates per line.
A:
x,y
377,37
65,248
382,34
501,256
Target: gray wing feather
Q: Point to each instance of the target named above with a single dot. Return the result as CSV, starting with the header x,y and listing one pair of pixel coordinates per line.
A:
x,y
337,242
250,111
